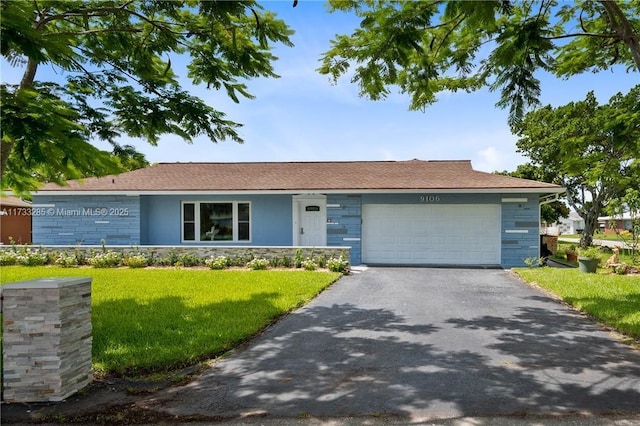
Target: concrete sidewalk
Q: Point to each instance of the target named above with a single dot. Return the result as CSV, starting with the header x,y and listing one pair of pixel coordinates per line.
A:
x,y
597,242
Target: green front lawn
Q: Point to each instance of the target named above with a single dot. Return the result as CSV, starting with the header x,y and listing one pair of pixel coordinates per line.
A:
x,y
611,299
160,319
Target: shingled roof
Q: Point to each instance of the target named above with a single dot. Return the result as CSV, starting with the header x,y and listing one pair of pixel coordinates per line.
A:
x,y
365,176
10,201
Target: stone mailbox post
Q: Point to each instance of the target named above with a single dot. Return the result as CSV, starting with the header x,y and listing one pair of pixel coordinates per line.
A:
x,y
47,339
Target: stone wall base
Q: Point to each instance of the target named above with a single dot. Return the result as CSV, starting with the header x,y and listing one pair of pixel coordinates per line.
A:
x,y
47,339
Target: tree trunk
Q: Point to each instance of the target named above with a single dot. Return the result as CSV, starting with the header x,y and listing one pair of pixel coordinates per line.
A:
x,y
29,75
624,31
590,226
590,221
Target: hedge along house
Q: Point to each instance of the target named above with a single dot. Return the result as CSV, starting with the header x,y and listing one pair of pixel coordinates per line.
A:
x,y
387,212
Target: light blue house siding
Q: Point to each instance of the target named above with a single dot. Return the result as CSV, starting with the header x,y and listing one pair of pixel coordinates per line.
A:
x,y
271,218
156,219
520,229
344,223
86,219
147,219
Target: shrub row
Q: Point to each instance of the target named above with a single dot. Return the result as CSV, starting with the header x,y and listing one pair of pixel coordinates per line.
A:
x,y
136,259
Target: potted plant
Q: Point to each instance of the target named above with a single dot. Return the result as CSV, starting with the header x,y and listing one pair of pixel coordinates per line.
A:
x,y
572,256
588,259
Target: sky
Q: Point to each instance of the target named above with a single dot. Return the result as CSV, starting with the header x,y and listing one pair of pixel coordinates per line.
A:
x,y
303,116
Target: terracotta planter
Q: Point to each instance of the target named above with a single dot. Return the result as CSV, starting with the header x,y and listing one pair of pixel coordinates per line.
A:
x,y
572,256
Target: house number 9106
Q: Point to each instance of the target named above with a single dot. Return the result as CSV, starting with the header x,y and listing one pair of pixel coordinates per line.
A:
x,y
429,198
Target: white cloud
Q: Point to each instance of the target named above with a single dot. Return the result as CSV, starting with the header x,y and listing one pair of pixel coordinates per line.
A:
x,y
492,159
489,159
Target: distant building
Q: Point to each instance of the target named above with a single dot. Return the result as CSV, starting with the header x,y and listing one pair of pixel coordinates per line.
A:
x,y
621,222
573,224
15,220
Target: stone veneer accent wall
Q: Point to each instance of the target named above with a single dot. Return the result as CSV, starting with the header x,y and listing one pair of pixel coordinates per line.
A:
x,y
47,339
206,251
86,219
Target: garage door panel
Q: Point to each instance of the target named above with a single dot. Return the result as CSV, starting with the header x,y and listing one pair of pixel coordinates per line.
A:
x,y
431,234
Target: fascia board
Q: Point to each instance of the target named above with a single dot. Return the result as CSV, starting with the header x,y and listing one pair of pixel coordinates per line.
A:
x,y
320,191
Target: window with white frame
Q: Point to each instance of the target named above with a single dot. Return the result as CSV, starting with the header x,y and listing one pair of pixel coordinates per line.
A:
x,y
204,221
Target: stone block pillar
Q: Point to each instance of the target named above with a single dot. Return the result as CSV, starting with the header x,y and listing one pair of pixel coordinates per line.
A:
x,y
47,339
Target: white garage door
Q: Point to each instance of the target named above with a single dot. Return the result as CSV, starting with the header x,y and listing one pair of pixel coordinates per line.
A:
x,y
458,234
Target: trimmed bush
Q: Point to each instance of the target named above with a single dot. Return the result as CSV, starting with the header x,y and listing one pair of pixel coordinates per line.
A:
x,y
338,265
286,261
188,259
139,258
219,262
309,265
66,260
25,257
135,260
8,258
258,264
109,259
32,258
321,260
298,258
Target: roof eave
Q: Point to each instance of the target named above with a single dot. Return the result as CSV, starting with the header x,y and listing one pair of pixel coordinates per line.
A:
x,y
133,193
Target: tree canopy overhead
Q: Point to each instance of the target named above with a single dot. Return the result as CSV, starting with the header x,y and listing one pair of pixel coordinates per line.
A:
x,y
116,60
590,149
426,47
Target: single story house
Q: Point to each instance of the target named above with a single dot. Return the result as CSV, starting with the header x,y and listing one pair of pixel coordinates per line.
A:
x,y
621,223
574,224
15,220
387,212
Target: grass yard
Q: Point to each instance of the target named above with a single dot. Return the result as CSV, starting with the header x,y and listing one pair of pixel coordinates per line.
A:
x,y
612,299
563,246
156,320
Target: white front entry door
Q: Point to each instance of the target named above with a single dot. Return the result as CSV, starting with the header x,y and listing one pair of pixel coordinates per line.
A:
x,y
310,221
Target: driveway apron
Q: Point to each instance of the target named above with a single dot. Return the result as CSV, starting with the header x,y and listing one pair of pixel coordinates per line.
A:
x,y
421,343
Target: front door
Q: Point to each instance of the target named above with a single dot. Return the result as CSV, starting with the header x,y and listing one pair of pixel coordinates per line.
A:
x,y
311,224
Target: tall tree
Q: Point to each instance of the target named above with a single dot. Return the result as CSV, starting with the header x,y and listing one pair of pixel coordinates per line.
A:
x,y
426,47
628,204
129,158
115,62
590,149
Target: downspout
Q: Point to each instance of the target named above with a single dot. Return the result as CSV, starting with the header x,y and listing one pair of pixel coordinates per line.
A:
x,y
547,199
550,198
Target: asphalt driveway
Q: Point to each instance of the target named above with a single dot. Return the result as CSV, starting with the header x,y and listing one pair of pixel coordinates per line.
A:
x,y
416,343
